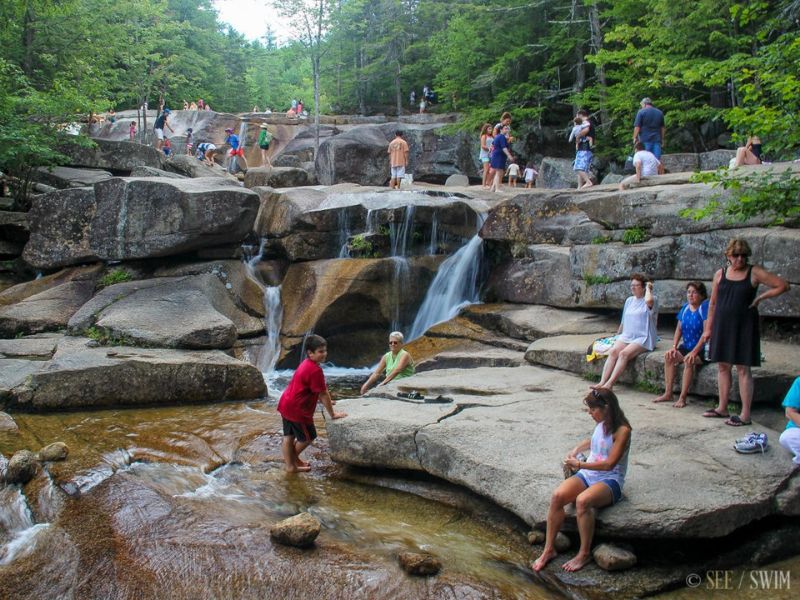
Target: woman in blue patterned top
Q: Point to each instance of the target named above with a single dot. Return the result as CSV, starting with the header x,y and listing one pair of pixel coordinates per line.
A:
x,y
691,321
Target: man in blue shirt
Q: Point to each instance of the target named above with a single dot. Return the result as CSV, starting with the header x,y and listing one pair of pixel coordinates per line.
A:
x,y
648,128
236,149
790,438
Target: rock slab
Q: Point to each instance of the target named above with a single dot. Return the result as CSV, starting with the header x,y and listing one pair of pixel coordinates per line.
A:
x,y
419,563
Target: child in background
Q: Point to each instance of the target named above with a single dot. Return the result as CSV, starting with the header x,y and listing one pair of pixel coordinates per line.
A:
x,y
189,141
513,173
132,130
530,175
167,147
299,402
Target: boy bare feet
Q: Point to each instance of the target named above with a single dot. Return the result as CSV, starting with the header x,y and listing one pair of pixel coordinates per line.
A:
x,y
680,403
577,563
664,398
544,558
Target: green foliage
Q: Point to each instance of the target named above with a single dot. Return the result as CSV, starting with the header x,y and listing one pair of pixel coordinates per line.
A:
x,y
106,338
115,276
648,383
771,194
590,279
634,235
601,239
360,245
593,377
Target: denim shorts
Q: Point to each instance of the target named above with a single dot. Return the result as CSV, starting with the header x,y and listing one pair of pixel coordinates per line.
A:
x,y
616,491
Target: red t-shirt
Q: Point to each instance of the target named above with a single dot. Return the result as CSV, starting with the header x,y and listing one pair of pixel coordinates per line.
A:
x,y
299,401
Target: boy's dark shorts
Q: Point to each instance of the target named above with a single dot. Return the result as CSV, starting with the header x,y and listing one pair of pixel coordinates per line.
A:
x,y
302,432
702,355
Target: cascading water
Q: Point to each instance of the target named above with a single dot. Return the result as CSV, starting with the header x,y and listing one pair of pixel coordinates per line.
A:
x,y
344,232
455,286
433,247
17,521
400,235
273,310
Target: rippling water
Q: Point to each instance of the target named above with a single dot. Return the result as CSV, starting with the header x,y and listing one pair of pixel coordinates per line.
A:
x,y
177,502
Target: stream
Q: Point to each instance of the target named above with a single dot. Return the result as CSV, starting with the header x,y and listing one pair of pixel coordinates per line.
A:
x,y
177,502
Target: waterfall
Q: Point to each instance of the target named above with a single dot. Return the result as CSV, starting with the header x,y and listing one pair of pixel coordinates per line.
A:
x,y
372,221
17,521
400,283
455,285
242,134
434,245
344,232
399,235
273,311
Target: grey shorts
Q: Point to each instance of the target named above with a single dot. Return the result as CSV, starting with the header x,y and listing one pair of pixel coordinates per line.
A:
x,y
398,172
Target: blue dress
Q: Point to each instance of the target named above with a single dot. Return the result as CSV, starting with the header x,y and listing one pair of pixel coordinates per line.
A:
x,y
498,157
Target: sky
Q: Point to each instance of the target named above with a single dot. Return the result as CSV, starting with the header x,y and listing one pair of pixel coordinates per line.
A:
x,y
251,17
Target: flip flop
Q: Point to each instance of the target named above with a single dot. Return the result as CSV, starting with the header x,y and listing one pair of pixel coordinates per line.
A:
x,y
713,414
735,421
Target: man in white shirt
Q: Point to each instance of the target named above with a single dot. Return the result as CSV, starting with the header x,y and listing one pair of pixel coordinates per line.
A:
x,y
646,164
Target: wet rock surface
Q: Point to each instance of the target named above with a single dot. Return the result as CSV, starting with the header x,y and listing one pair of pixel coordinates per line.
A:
x,y
53,452
300,530
22,467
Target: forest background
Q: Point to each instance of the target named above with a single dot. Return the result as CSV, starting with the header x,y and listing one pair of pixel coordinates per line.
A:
x,y
719,64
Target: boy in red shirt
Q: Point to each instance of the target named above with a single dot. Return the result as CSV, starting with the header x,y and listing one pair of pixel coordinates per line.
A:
x,y
299,402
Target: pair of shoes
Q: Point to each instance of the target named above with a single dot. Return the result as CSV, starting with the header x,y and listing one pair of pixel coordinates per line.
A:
x,y
751,443
735,421
713,414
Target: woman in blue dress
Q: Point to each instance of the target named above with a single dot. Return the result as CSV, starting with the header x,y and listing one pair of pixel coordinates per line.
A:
x,y
500,154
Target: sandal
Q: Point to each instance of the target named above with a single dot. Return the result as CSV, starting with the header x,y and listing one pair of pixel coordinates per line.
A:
x,y
735,421
713,414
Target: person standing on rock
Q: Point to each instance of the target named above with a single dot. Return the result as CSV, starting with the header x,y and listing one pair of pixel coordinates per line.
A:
x,y
500,152
158,127
412,99
189,141
264,139
132,131
648,128
298,404
236,151
733,326
486,149
395,364
398,159
598,480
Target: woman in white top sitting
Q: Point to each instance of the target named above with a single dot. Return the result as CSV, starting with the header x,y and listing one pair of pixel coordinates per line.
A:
x,y
637,331
597,482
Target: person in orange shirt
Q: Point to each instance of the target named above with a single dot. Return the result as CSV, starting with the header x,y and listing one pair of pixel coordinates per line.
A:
x,y
398,159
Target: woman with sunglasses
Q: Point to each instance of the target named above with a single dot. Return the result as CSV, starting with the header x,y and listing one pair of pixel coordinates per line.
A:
x,y
733,327
598,481
394,364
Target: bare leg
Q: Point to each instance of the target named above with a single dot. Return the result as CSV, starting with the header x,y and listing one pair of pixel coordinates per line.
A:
x,y
611,362
630,352
669,380
564,494
724,384
745,390
688,375
289,454
486,174
597,496
298,448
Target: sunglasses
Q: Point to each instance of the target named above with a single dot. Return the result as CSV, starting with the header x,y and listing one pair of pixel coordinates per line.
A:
x,y
738,255
597,396
394,343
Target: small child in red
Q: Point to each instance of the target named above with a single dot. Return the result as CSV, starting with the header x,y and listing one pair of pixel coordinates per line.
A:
x,y
132,130
299,402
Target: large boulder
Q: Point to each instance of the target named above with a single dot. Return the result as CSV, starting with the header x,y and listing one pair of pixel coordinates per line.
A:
x,y
69,177
556,173
716,159
359,155
119,157
129,218
715,492
80,376
194,312
46,311
680,163
189,166
153,172
312,224
19,292
276,177
352,303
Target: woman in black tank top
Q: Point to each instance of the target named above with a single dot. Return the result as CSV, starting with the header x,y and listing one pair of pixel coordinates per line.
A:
x,y
733,327
750,154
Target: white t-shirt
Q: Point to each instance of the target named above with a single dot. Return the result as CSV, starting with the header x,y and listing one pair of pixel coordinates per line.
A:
x,y
649,162
530,174
639,322
513,170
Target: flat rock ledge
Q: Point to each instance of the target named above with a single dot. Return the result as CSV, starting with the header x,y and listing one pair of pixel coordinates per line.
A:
x,y
506,432
81,375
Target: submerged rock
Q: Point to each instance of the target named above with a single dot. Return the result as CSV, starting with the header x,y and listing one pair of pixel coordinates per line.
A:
x,y
22,467
300,530
613,558
53,452
419,563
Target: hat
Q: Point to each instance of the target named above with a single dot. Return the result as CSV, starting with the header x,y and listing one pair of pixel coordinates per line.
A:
x,y
228,129
189,130
646,101
167,111
263,126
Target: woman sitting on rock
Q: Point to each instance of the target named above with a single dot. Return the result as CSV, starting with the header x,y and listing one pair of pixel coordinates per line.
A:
x,y
750,153
598,481
396,363
637,331
691,323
